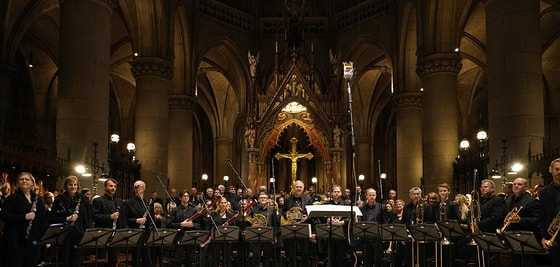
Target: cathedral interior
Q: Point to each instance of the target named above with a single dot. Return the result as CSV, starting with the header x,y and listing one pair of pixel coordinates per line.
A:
x,y
326,91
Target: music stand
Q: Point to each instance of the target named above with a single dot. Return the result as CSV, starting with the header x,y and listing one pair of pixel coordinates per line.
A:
x,y
259,234
451,229
489,242
126,238
424,233
324,231
193,237
366,230
55,235
295,231
225,233
93,237
523,242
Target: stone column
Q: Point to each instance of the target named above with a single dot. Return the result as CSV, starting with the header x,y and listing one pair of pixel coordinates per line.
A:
x,y
336,167
440,117
6,97
84,74
253,177
362,158
515,85
408,120
180,159
153,77
222,152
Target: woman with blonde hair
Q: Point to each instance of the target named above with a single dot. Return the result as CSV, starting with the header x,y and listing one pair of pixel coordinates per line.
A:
x,y
26,221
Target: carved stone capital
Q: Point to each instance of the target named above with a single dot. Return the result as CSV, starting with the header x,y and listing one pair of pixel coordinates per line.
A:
x,y
407,100
439,63
182,102
152,66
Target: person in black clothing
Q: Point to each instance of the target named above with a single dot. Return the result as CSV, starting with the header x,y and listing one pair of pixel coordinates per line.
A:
x,y
493,211
107,214
180,218
447,204
297,200
527,217
372,211
137,216
492,208
73,208
270,220
549,206
221,250
26,221
409,217
339,246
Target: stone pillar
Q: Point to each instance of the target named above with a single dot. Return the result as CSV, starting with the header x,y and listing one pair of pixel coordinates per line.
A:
x,y
253,179
84,74
515,86
408,120
222,152
362,159
153,77
440,117
180,159
6,97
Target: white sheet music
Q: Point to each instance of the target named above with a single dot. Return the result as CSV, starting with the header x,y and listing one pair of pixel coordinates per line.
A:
x,y
331,210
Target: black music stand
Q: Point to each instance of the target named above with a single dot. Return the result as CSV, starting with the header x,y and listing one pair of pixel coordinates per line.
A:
x,y
366,230
193,237
55,235
489,242
328,231
523,242
225,233
94,237
126,238
295,231
259,234
451,229
393,232
424,233
163,237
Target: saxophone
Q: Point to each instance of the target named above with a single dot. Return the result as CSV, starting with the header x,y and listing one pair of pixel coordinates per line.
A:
x,y
509,216
33,209
76,209
142,226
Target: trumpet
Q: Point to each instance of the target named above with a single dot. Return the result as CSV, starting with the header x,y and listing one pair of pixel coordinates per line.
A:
x,y
553,230
507,220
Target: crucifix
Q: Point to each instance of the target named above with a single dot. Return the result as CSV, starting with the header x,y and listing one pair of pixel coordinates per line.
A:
x,y
294,156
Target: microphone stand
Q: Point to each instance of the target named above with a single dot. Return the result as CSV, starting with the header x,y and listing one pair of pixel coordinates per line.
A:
x,y
276,211
152,221
348,68
156,173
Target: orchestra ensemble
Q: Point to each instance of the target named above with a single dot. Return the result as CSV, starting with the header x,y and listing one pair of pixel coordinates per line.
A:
x,y
240,228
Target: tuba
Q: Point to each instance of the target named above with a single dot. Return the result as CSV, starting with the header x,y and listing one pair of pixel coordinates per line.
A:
x,y
513,213
553,230
293,216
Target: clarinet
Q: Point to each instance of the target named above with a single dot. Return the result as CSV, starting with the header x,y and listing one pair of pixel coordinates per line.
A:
x,y
142,226
76,210
33,209
115,220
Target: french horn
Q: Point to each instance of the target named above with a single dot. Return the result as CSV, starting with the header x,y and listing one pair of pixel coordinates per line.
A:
x,y
293,216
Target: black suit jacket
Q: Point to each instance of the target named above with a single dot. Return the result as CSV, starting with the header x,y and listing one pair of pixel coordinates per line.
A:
x,y
529,214
103,207
493,211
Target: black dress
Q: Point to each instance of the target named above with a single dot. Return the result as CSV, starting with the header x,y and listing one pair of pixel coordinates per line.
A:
x,y
17,250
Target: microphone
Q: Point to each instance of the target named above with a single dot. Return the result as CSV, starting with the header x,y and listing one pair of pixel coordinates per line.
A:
x,y
137,186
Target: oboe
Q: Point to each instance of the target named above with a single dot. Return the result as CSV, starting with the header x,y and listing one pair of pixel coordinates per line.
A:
x,y
76,209
33,209
142,226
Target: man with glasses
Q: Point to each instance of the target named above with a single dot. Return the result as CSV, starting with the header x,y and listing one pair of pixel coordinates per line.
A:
x,y
264,209
181,219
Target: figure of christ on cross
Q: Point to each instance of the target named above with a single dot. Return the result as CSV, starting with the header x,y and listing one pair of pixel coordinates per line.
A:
x,y
293,156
